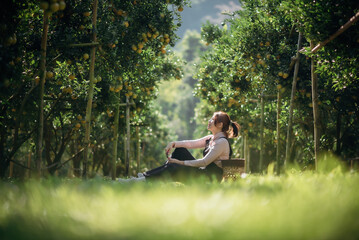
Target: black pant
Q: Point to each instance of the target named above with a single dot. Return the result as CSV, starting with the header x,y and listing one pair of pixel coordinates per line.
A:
x,y
176,172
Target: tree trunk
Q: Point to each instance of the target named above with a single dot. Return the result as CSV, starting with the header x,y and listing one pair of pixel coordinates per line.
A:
x,y
115,141
339,123
261,135
76,162
294,89
138,148
128,138
47,137
28,171
315,108
90,92
246,153
279,104
39,146
4,163
59,154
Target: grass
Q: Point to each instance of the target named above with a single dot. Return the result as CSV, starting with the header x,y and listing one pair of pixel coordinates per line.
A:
x,y
294,206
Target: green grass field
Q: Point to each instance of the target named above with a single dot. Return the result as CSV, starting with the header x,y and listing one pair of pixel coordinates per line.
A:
x,y
294,206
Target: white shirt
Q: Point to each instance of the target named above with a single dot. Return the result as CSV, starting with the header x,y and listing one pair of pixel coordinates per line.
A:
x,y
218,150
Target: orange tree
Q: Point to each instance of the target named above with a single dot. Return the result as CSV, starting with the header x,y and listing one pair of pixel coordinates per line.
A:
x,y
19,57
336,65
254,56
249,59
140,87
132,44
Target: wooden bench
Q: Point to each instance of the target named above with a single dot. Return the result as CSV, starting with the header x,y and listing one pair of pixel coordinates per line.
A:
x,y
232,169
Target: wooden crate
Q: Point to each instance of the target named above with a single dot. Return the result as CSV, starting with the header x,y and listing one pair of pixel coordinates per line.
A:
x,y
232,169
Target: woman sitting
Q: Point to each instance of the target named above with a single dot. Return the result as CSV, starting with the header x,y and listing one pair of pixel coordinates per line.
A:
x,y
182,166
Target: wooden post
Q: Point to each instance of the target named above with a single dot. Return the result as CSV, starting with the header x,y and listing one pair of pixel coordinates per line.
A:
x,y
342,29
115,141
261,135
138,148
11,169
315,107
128,139
294,89
39,147
90,91
279,104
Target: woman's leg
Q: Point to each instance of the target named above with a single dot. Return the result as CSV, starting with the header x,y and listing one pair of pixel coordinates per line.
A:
x,y
182,154
173,171
178,153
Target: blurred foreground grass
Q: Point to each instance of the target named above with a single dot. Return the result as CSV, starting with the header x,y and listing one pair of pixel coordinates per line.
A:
x,y
295,206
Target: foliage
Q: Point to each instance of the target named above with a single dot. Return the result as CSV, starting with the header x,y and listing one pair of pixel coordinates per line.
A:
x,y
130,62
252,55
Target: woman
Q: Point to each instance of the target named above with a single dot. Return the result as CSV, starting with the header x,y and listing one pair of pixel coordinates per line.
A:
x,y
181,165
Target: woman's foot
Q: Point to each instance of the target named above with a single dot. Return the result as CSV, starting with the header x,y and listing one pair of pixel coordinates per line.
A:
x,y
132,179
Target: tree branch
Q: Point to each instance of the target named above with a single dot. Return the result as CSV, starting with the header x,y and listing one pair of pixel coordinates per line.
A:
x,y
336,34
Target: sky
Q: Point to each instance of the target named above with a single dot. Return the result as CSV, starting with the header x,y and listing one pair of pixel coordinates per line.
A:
x,y
202,10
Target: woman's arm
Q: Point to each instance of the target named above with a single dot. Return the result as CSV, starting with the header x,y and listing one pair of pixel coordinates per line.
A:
x,y
189,144
211,156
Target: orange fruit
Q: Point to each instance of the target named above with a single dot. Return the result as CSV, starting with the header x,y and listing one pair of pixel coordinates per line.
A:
x,y
55,7
37,80
44,5
62,5
119,12
49,74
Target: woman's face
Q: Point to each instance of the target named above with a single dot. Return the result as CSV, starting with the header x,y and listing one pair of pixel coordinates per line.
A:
x,y
210,123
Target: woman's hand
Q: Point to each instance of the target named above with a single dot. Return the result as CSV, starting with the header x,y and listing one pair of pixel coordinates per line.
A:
x,y
173,160
169,147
